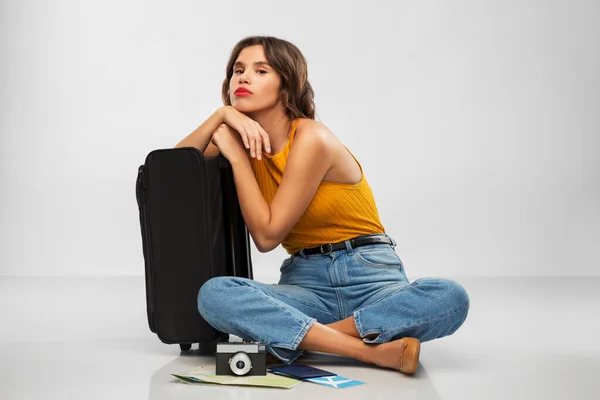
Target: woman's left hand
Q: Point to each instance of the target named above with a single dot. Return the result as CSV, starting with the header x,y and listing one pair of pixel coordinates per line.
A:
x,y
229,143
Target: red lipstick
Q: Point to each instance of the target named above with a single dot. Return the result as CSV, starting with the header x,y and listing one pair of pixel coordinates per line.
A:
x,y
242,92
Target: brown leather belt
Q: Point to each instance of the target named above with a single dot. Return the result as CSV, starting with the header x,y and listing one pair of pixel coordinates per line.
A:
x,y
358,241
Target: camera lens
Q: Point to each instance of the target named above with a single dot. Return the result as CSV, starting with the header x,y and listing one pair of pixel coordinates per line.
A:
x,y
240,363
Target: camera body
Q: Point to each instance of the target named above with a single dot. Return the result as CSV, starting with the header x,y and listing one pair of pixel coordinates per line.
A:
x,y
241,359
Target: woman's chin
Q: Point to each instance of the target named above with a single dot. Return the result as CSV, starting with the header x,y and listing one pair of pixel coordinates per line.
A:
x,y
243,108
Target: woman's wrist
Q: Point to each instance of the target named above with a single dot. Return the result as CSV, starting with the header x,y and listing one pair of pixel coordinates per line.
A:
x,y
221,112
239,160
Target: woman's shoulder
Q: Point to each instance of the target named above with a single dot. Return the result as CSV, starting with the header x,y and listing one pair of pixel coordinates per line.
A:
x,y
319,139
307,124
310,129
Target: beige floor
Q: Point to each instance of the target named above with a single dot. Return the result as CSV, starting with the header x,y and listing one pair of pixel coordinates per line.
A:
x,y
87,338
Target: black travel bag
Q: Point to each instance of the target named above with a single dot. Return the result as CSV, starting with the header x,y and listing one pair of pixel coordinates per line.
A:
x,y
192,230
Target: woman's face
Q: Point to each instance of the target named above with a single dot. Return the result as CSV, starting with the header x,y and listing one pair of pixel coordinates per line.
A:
x,y
252,72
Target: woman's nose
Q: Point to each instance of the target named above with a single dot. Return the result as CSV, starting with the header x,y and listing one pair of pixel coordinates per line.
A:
x,y
243,78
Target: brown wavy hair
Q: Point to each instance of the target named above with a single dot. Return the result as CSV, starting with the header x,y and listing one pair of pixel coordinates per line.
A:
x,y
295,92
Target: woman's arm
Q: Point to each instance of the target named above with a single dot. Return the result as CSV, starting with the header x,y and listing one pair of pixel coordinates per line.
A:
x,y
200,137
308,162
252,134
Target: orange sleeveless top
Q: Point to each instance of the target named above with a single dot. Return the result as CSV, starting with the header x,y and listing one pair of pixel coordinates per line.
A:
x,y
337,212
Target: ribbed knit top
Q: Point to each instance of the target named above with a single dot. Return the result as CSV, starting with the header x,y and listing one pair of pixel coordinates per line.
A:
x,y
337,212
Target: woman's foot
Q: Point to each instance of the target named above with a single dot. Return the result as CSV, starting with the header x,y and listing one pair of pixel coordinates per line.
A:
x,y
401,355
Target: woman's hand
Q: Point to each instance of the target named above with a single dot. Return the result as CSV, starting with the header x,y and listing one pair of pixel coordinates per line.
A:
x,y
253,135
229,143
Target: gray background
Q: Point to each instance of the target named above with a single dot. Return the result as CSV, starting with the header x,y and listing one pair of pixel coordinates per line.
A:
x,y
476,123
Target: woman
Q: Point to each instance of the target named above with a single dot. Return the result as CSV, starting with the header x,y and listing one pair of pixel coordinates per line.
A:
x,y
343,289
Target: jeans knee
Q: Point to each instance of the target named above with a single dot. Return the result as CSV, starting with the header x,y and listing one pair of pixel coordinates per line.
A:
x,y
459,298
460,293
461,302
210,295
457,295
453,295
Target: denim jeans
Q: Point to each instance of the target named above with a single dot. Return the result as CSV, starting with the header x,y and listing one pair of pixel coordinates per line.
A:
x,y
367,282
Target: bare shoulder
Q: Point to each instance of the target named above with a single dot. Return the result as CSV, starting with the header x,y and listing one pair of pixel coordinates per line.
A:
x,y
309,129
317,137
307,124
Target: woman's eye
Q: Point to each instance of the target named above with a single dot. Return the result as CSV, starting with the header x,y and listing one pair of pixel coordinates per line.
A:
x,y
239,70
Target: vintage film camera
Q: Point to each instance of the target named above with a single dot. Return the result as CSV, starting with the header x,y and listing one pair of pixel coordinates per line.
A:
x,y
241,359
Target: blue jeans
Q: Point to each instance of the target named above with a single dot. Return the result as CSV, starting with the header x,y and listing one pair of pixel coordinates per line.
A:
x,y
367,282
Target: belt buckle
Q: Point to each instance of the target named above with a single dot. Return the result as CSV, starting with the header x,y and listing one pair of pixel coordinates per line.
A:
x,y
393,242
330,248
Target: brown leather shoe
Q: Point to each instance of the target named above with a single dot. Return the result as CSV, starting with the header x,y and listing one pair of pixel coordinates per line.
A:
x,y
409,361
